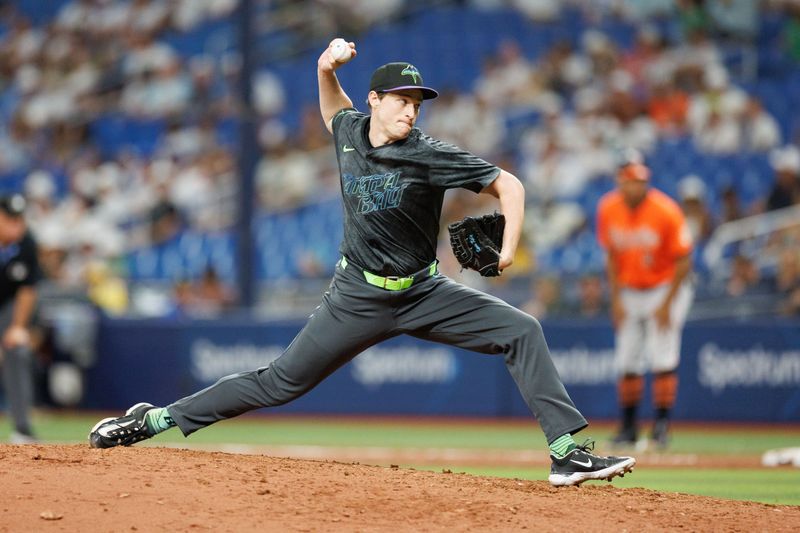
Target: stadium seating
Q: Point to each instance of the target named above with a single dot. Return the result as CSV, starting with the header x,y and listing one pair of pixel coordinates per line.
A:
x,y
449,45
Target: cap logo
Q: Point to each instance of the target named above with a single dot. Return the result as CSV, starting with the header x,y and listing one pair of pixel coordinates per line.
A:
x,y
412,71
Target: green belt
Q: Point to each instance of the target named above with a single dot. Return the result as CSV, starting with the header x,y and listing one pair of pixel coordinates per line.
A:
x,y
393,283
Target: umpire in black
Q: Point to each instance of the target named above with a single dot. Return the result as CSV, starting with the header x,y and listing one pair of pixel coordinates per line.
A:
x,y
19,273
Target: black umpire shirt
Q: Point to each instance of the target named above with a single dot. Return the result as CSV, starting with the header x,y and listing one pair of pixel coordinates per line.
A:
x,y
19,267
393,194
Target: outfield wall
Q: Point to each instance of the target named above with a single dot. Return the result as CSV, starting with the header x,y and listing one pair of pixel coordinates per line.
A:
x,y
729,371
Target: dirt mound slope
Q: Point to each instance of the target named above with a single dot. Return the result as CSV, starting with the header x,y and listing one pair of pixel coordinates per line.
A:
x,y
76,488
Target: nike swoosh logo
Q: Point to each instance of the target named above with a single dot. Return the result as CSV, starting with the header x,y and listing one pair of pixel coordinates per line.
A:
x,y
346,148
104,431
587,464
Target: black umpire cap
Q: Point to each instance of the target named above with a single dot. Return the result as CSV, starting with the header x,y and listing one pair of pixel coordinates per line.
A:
x,y
397,77
13,205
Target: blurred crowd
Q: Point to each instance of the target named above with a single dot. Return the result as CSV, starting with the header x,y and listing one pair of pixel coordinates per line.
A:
x,y
592,99
101,67
67,83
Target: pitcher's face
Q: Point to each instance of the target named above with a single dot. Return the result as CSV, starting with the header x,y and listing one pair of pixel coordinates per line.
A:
x,y
397,112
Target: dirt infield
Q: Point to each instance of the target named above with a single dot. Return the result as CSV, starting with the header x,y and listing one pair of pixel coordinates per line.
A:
x,y
75,488
377,455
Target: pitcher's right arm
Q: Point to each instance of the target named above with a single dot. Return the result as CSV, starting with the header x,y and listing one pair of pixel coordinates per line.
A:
x,y
332,97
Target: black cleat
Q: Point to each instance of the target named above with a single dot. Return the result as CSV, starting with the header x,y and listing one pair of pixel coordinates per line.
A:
x,y
626,437
660,435
122,431
22,437
581,465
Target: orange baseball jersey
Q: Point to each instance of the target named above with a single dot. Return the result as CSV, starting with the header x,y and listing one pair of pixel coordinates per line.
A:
x,y
643,242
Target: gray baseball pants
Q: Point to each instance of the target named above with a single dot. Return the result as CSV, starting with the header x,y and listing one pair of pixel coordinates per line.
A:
x,y
17,369
355,315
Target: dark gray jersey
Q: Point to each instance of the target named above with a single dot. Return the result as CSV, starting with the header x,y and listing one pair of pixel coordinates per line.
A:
x,y
393,194
19,267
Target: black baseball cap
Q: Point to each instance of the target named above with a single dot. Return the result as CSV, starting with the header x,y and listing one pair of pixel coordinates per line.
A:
x,y
397,77
13,205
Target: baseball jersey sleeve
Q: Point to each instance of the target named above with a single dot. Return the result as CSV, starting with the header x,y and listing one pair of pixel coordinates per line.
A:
x,y
679,237
450,167
31,257
602,222
345,119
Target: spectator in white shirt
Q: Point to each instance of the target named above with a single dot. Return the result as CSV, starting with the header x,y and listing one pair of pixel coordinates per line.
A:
x,y
760,129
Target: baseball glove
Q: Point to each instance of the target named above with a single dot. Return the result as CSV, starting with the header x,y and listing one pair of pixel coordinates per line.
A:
x,y
477,242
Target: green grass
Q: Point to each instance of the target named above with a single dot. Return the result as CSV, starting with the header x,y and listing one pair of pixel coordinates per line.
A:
x,y
775,485
319,432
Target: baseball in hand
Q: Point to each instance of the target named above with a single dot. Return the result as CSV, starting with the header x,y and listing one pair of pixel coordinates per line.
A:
x,y
341,51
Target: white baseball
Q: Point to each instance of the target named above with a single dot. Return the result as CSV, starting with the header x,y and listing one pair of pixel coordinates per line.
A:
x,y
341,51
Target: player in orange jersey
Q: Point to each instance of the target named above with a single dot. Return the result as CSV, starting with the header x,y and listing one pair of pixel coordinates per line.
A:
x,y
649,248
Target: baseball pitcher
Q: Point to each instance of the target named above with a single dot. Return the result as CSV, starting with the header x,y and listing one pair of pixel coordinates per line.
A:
x,y
393,181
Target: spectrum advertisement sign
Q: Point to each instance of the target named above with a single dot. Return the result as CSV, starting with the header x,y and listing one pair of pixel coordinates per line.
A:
x,y
733,372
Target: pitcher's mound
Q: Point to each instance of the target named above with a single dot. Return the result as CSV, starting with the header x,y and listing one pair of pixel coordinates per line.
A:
x,y
76,488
